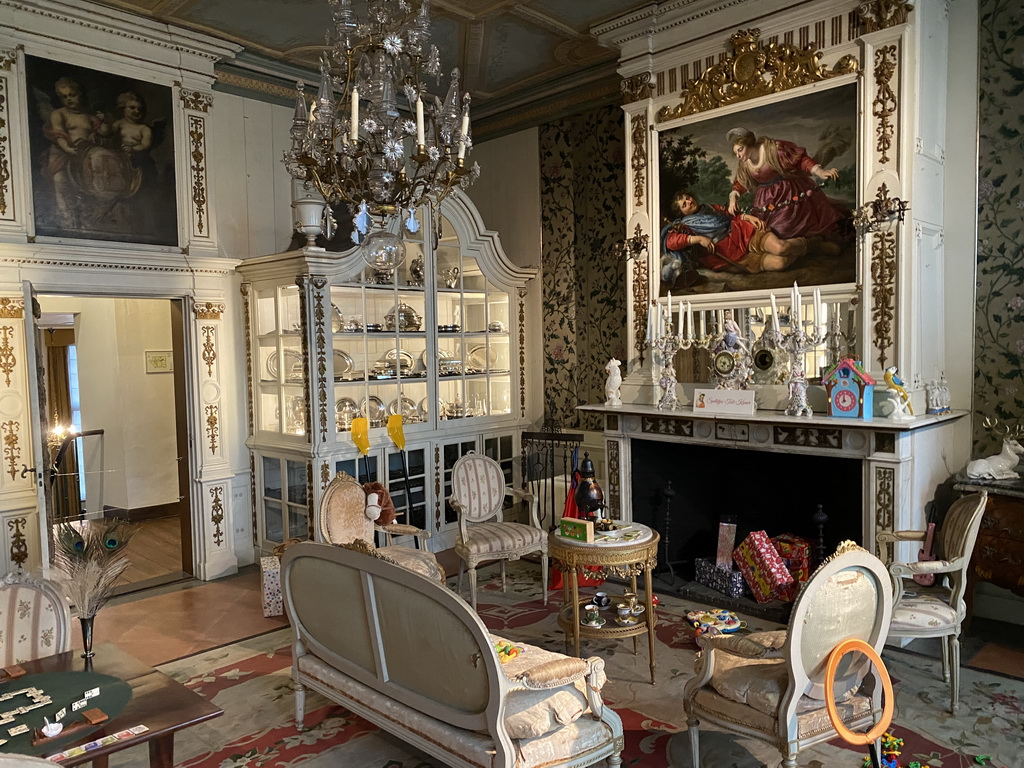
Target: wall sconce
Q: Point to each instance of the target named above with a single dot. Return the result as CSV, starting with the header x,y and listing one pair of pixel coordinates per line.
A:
x,y
871,216
632,247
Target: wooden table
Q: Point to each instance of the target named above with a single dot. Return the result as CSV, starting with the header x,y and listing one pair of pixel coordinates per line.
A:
x,y
612,557
164,705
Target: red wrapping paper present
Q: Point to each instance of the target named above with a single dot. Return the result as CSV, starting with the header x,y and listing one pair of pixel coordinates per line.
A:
x,y
796,554
761,566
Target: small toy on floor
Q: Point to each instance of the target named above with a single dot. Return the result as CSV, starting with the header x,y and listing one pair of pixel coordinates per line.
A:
x,y
891,746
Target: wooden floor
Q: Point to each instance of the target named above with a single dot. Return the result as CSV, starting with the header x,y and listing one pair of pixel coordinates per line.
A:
x,y
154,554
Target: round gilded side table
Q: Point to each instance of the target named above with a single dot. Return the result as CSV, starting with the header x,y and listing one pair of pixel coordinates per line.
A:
x,y
613,557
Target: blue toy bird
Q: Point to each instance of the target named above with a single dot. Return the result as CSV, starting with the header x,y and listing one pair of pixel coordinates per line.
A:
x,y
896,385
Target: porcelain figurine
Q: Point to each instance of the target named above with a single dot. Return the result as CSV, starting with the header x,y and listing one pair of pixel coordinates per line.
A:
x,y
900,397
613,384
1001,465
667,383
797,405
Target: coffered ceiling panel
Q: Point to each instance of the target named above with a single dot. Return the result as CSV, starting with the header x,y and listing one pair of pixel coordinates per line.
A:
x,y
511,52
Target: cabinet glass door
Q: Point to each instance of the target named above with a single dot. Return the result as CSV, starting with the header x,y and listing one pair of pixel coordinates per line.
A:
x,y
285,500
280,399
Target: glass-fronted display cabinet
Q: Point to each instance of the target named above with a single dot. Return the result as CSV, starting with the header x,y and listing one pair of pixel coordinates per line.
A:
x,y
435,340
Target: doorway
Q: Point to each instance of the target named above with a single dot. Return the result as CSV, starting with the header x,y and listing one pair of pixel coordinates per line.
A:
x,y
116,404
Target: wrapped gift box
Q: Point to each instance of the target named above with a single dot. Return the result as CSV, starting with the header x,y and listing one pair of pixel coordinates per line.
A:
x,y
270,579
762,567
796,554
729,581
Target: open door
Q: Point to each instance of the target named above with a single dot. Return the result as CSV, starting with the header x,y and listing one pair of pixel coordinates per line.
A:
x,y
37,403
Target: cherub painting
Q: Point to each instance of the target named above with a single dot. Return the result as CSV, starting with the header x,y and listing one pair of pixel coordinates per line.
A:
x,y
103,155
772,190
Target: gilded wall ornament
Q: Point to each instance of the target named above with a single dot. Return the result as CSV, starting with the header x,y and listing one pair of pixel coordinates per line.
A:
x,y
252,499
197,137
19,544
754,70
325,475
320,334
12,308
636,87
217,513
883,291
197,101
301,282
8,361
211,427
437,486
638,160
884,105
882,14
310,510
885,508
209,349
208,310
12,450
246,313
8,57
5,165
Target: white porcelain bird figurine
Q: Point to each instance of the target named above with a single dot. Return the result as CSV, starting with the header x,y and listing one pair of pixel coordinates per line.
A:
x,y
894,383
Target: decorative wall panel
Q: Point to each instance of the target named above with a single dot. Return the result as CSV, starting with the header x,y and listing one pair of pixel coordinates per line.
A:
x,y
999,327
583,199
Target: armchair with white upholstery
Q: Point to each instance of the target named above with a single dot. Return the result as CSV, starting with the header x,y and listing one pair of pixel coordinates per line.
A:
x,y
770,685
36,619
343,519
938,610
478,493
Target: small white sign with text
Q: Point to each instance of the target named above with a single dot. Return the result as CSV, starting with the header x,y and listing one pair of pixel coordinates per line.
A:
x,y
731,401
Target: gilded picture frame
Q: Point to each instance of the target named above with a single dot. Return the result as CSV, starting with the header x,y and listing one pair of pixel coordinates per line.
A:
x,y
103,155
794,202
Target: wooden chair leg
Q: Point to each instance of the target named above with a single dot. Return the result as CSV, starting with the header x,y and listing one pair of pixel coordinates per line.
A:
x,y
503,576
954,673
300,706
945,660
693,725
544,575
462,567
472,585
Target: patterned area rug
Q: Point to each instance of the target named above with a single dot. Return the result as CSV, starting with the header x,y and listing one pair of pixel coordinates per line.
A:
x,y
251,681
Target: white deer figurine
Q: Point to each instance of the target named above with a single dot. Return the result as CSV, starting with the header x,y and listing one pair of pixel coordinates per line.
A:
x,y
612,393
1001,465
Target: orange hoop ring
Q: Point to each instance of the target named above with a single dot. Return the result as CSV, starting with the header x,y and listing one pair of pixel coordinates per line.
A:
x,y
852,737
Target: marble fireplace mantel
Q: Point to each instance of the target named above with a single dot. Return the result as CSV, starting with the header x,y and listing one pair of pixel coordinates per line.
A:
x,y
903,461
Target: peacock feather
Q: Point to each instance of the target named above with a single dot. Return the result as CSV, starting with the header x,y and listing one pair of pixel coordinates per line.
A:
x,y
92,557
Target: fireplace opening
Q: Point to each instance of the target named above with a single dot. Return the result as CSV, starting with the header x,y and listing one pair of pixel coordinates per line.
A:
x,y
775,492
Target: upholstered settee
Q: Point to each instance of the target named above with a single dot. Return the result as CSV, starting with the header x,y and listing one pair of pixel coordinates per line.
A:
x,y
410,656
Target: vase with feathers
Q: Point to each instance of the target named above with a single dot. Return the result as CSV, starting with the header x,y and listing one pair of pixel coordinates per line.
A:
x,y
91,556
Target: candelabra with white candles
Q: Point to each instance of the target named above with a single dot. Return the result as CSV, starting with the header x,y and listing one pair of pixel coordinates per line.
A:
x,y
798,342
667,338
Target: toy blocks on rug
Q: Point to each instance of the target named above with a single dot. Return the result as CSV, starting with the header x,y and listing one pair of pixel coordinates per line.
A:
x,y
761,566
796,554
726,580
270,582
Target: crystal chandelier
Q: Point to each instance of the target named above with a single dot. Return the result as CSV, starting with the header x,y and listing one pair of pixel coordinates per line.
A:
x,y
354,145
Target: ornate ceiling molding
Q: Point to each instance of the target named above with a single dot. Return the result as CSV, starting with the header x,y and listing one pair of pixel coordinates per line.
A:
x,y
754,69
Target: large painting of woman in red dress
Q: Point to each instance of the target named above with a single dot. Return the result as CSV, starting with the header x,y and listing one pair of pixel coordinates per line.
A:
x,y
791,165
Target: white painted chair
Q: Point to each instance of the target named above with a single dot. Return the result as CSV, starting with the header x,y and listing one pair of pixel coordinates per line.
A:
x,y
478,493
343,520
770,685
34,619
939,610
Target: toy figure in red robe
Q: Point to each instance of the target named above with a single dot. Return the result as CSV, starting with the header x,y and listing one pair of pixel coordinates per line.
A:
x,y
740,243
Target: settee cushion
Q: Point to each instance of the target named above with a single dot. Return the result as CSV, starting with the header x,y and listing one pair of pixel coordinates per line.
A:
x,y
533,713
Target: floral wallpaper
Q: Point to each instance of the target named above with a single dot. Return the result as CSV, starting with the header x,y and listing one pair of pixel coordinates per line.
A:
x,y
999,335
583,209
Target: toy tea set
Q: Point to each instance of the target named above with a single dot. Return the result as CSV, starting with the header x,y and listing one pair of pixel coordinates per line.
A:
x,y
715,620
627,610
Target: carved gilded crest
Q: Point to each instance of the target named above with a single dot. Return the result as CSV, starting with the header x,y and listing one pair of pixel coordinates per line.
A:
x,y
754,70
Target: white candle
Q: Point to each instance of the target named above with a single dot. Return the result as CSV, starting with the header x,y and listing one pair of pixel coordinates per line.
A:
x,y
670,306
680,326
689,320
650,326
661,322
355,114
703,329
720,321
817,307
796,306
463,133
775,310
420,137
